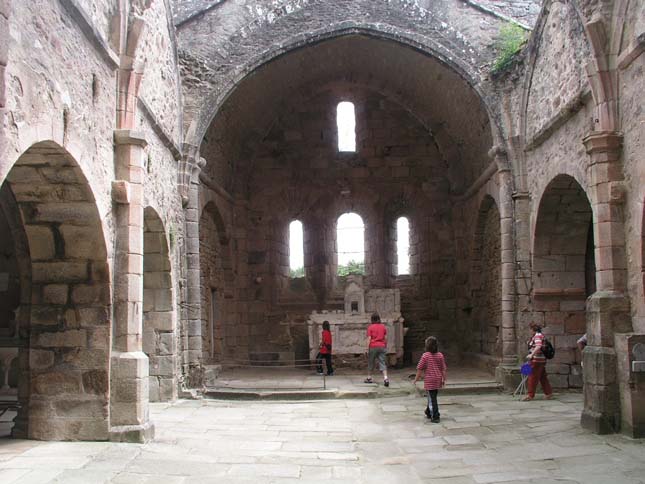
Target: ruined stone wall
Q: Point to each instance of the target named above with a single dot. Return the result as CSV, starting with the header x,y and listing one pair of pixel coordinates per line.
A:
x,y
69,98
100,14
632,84
160,87
223,44
550,112
61,86
299,174
556,84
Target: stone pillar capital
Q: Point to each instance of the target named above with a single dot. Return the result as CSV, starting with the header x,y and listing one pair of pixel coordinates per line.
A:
x,y
609,142
190,167
499,155
130,137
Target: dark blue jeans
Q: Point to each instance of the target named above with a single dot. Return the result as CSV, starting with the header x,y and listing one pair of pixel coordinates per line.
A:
x,y
327,357
433,406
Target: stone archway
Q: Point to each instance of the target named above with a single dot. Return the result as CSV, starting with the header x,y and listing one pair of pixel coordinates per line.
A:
x,y
64,366
159,315
485,332
563,272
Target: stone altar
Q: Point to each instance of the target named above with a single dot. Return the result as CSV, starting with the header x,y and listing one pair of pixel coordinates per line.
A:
x,y
349,327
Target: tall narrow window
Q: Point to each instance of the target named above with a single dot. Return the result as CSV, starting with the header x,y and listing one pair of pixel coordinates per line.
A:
x,y
350,242
296,253
403,246
346,122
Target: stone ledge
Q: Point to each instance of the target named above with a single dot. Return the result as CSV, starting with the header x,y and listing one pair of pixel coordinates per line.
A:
x,y
570,293
135,434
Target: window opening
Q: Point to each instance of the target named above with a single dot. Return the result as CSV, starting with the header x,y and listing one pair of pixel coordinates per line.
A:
x,y
350,243
296,250
346,122
403,246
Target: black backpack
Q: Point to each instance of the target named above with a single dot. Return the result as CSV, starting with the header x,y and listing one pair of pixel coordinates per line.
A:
x,y
547,349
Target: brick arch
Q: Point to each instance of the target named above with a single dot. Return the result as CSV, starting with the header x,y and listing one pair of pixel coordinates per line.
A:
x,y
65,364
563,270
159,315
485,332
218,317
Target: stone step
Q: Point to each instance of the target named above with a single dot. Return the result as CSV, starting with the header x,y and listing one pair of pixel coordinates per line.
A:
x,y
481,387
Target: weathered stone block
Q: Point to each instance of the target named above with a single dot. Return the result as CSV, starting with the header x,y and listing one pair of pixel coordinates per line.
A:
x,y
162,365
40,359
93,316
81,409
85,359
99,338
65,272
132,365
45,315
599,365
64,428
41,242
166,344
161,321
153,385
167,389
81,243
95,382
73,338
56,383
90,293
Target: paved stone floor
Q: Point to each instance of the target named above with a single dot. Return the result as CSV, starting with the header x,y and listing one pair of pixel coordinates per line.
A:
x,y
481,439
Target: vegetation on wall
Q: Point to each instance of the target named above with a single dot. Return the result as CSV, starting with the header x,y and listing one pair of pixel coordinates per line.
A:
x,y
509,42
352,267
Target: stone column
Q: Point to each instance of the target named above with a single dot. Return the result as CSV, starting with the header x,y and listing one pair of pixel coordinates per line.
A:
x,y
509,343
189,186
608,311
129,418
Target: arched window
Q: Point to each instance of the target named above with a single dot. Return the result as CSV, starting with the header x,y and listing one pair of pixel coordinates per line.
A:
x,y
296,252
351,246
403,246
346,122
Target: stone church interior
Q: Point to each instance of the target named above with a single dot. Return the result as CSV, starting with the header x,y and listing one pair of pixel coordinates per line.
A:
x,y
190,184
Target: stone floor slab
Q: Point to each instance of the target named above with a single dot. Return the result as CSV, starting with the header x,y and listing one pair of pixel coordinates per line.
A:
x,y
356,441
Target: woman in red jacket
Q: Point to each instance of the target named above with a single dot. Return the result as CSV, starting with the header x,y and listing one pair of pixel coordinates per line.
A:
x,y
325,350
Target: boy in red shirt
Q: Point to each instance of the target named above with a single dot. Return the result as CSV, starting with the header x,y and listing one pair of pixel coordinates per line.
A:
x,y
325,350
376,348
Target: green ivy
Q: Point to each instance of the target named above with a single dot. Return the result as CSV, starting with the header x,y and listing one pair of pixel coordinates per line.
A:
x,y
509,42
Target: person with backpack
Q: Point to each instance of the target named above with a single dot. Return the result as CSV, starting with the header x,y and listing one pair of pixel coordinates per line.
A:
x,y
538,364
